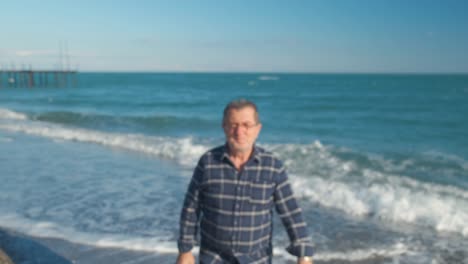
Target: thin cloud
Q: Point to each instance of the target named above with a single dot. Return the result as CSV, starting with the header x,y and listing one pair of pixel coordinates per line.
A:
x,y
33,53
51,53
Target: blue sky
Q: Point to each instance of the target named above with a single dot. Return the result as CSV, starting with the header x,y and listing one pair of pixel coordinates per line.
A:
x,y
237,36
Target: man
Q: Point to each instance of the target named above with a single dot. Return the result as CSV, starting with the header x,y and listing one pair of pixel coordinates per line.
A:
x,y
232,194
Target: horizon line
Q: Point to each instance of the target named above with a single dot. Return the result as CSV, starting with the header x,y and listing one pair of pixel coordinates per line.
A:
x,y
273,72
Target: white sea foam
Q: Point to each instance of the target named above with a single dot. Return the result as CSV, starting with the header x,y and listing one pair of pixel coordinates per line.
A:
x,y
316,173
395,203
395,250
157,244
183,150
163,245
8,114
322,178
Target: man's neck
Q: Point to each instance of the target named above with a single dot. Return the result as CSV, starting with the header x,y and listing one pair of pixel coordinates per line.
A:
x,y
239,158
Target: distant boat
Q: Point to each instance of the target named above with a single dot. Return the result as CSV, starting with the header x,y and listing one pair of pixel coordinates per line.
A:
x,y
268,78
11,80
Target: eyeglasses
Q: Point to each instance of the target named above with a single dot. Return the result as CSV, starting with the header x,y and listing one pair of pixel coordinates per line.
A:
x,y
244,126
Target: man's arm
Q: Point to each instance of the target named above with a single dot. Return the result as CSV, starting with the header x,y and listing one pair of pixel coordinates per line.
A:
x,y
305,260
291,216
185,258
189,217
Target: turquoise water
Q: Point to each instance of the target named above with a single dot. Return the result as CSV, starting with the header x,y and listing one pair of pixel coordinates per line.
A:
x,y
379,162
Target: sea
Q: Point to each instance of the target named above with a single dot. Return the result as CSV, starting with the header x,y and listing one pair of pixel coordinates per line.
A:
x,y
378,162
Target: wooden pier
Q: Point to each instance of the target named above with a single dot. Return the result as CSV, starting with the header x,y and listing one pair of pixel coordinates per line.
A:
x,y
37,78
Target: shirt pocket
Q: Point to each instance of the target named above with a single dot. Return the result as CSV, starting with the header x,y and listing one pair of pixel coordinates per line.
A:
x,y
261,191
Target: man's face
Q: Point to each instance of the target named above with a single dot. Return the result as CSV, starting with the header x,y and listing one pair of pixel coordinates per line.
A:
x,y
241,129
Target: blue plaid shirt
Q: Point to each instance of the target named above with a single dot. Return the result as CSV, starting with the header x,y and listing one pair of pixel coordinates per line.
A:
x,y
234,209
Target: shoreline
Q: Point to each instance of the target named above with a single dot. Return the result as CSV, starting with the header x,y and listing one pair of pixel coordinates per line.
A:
x,y
21,248
4,258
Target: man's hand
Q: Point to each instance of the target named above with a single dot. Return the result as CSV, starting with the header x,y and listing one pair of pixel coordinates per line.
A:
x,y
304,260
186,258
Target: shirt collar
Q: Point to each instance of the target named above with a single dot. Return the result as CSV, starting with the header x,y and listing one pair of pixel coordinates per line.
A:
x,y
255,154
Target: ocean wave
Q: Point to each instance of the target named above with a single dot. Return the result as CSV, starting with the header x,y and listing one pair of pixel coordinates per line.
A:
x,y
148,123
157,243
321,174
152,122
8,114
388,202
391,251
182,150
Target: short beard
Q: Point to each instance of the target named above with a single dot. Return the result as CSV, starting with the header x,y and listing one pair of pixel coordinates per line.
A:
x,y
240,150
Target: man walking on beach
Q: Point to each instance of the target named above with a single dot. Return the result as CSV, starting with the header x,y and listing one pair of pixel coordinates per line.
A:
x,y
232,194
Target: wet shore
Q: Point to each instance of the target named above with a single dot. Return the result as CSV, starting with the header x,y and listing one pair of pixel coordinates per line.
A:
x,y
25,249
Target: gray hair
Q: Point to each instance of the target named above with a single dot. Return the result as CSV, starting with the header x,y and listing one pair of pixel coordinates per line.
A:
x,y
238,104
